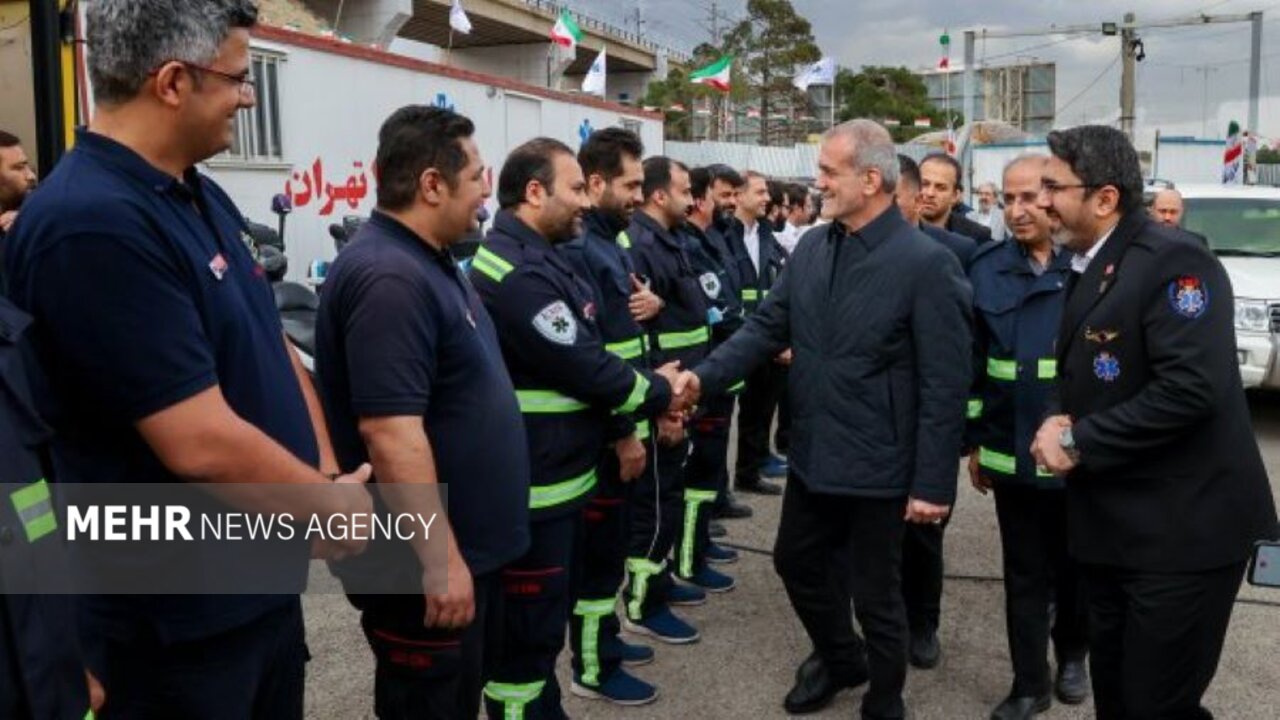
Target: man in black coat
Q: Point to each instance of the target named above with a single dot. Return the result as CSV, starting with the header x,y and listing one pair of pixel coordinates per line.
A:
x,y
941,184
1166,490
877,410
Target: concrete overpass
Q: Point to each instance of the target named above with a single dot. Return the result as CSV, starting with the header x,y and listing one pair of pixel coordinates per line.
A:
x,y
509,38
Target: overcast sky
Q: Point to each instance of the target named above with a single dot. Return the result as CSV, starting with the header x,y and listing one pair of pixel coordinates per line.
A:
x,y
1171,81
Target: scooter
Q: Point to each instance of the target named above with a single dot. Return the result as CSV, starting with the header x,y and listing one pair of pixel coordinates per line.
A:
x,y
297,304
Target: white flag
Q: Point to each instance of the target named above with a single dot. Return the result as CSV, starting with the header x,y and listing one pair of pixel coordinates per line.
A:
x,y
458,19
593,83
822,72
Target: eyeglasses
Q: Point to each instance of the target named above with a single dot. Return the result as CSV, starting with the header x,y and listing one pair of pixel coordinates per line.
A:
x,y
1049,187
244,81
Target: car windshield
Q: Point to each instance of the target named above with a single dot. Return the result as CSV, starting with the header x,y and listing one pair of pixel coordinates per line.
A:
x,y
1236,226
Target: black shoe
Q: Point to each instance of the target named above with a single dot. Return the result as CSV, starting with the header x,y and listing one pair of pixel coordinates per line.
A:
x,y
815,687
925,650
758,487
732,510
716,529
1072,685
1020,708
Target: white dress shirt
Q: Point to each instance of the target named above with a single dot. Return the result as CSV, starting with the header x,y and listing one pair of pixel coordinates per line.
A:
x,y
1080,263
751,238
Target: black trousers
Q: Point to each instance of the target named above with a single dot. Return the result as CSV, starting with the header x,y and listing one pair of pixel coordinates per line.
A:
x,y
257,670
1037,573
922,570
756,406
867,533
782,435
429,673
706,472
654,526
593,624
1155,639
537,592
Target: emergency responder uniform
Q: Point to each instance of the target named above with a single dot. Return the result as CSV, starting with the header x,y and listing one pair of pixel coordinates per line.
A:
x,y
568,387
597,258
679,332
765,385
1018,308
41,673
707,468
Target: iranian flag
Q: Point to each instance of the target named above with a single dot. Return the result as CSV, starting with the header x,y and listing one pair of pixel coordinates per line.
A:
x,y
945,41
716,74
1233,158
565,33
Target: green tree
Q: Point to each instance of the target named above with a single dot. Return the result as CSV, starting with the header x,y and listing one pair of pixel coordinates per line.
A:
x,y
1268,156
769,47
889,93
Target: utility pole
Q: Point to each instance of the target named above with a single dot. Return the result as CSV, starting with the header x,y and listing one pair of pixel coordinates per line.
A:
x,y
1128,61
1255,69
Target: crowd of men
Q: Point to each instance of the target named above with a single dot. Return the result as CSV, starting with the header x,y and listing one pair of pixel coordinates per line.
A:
x,y
574,386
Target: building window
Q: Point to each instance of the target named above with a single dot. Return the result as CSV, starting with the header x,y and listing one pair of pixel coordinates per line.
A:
x,y
257,136
632,125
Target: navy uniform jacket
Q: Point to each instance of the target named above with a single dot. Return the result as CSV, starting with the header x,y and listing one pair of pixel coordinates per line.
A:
x,y
41,673
567,384
962,245
1016,318
1170,478
756,285
879,322
718,274
597,258
680,331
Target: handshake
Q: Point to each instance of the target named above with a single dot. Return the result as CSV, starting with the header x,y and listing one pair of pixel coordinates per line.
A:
x,y
686,388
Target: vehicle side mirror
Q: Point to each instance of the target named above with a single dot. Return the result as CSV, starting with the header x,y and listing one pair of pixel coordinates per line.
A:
x,y
1264,567
281,204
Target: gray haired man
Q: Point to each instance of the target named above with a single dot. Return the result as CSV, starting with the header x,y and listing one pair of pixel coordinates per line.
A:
x,y
877,413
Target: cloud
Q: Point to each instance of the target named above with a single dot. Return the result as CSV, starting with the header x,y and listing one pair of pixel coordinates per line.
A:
x,y
1171,93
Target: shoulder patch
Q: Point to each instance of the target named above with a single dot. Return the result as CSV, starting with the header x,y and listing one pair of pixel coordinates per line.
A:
x,y
1188,296
556,323
710,284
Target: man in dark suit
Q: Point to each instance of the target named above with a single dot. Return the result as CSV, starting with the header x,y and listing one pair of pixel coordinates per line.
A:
x,y
941,183
1166,491
1167,209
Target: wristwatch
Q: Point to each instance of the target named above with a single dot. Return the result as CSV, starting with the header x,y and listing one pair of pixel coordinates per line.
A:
x,y
1067,441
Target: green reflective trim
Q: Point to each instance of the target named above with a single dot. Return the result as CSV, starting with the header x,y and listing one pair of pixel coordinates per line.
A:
x,y
491,265
544,402
545,496
89,715
589,651
750,294
692,499
636,398
640,570
627,349
35,509
998,461
624,240
998,369
975,409
737,387
678,340
1047,369
1001,463
513,696
643,430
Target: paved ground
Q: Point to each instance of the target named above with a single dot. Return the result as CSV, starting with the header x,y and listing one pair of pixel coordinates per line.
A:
x,y
752,642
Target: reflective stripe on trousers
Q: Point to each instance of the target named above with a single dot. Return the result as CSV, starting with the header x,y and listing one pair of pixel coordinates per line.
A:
x,y
692,500
591,612
513,696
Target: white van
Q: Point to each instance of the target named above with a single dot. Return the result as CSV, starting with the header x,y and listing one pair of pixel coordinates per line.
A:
x,y
1242,224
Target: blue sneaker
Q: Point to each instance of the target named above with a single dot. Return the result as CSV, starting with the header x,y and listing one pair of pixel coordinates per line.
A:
x,y
621,688
721,555
712,580
681,595
665,626
774,467
635,655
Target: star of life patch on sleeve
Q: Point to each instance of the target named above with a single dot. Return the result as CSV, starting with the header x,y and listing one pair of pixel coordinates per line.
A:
x,y
1188,296
556,323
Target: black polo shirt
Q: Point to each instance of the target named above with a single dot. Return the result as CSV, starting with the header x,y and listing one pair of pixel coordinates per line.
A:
x,y
402,332
144,295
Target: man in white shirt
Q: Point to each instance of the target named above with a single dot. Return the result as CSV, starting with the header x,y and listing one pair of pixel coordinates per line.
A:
x,y
989,212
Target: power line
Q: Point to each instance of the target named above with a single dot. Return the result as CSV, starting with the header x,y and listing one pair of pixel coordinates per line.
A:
x,y
1025,50
1059,111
